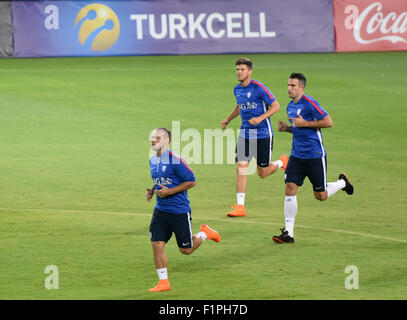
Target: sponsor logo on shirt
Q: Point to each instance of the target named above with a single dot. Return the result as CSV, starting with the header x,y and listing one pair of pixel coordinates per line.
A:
x,y
248,106
163,181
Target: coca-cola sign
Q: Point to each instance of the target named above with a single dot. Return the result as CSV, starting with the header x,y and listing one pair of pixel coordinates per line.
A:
x,y
366,25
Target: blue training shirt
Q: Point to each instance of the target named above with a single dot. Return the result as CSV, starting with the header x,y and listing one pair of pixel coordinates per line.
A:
x,y
253,101
307,142
171,170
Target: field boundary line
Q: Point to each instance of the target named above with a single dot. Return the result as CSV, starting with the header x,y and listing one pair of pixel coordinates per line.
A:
x,y
232,220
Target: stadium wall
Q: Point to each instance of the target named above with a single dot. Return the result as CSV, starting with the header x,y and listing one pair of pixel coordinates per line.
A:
x,y
124,27
6,31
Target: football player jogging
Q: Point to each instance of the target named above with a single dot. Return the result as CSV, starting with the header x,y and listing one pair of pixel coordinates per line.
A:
x,y
172,213
255,105
308,154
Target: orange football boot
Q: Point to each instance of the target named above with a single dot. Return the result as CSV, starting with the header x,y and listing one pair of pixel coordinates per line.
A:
x,y
162,285
212,234
284,160
238,211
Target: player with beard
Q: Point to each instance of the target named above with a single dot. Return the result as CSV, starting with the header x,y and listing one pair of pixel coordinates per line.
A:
x,y
172,213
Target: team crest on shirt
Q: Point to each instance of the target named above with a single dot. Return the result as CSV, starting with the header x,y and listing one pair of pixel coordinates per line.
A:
x,y
249,94
164,168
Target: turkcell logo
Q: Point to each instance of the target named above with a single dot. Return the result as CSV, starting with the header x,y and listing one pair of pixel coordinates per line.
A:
x,y
97,26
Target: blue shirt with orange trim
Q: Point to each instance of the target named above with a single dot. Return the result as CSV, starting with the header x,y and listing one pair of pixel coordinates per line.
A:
x,y
171,170
253,101
307,142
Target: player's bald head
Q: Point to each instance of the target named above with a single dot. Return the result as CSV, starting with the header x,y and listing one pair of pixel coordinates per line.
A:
x,y
160,139
164,132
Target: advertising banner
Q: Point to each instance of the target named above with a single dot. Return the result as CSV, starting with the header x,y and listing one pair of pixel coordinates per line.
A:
x,y
89,28
369,25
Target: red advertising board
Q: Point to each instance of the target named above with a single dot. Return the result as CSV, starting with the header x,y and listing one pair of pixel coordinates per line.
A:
x,y
370,25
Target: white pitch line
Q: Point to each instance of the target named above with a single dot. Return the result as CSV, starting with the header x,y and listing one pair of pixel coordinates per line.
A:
x,y
233,220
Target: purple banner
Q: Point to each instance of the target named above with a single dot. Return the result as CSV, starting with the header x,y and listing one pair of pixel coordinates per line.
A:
x,y
89,28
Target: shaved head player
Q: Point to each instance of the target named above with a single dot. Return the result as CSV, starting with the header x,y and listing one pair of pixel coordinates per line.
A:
x,y
172,178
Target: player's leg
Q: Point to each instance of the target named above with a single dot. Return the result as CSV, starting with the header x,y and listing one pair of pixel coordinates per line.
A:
x,y
205,233
294,178
241,178
161,263
182,227
263,155
242,164
290,211
264,172
196,242
160,234
241,186
316,172
290,207
322,189
188,243
243,158
160,257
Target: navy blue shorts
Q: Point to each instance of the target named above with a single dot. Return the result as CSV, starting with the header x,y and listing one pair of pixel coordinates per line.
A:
x,y
261,149
315,169
163,224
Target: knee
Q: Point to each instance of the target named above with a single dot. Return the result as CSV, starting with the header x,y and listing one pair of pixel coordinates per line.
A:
x,y
261,174
186,251
321,196
158,245
290,191
241,168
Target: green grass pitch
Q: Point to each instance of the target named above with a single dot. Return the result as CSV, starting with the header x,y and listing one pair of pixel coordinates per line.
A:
x,y
74,167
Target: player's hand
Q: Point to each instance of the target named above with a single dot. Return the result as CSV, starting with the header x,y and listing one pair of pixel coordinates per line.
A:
x,y
163,192
282,126
224,123
149,194
254,121
299,122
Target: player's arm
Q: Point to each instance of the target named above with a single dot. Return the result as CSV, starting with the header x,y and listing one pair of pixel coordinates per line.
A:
x,y
274,107
235,112
283,127
325,122
150,193
166,192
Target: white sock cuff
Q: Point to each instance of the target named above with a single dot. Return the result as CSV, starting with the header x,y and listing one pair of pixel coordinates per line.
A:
x,y
334,187
240,198
162,273
279,163
203,235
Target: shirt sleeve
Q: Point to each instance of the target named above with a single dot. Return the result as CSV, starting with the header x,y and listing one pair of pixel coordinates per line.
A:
x,y
268,97
317,111
184,171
